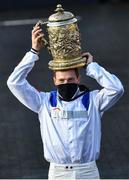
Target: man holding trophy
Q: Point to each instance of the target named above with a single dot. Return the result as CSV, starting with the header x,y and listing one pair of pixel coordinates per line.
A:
x,y
70,117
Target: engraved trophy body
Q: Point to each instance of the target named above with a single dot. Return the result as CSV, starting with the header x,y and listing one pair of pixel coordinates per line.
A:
x,y
64,41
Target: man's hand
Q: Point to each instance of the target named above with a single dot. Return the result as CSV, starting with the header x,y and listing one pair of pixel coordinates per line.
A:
x,y
88,56
37,38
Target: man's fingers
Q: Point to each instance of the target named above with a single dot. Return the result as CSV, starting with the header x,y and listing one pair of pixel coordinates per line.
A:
x,y
39,38
88,56
37,33
36,29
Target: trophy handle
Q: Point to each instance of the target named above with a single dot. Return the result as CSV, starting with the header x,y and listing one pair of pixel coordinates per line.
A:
x,y
45,42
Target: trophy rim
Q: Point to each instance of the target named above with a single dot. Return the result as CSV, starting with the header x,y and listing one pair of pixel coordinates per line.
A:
x,y
66,65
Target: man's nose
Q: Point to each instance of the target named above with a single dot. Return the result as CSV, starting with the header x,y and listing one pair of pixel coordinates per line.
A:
x,y
65,81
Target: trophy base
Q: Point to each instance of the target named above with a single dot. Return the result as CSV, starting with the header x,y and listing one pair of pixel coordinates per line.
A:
x,y
67,64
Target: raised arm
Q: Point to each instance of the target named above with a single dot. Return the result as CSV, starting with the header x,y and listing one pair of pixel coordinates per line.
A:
x,y
17,82
112,88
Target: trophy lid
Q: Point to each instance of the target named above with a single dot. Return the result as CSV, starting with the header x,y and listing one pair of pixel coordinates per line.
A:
x,y
61,17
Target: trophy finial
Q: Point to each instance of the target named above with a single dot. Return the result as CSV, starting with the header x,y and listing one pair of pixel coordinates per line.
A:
x,y
59,8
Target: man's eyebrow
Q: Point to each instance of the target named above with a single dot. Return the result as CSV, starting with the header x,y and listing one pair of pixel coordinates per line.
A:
x,y
71,78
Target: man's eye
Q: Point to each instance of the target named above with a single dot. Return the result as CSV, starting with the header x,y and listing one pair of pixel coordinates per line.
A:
x,y
71,79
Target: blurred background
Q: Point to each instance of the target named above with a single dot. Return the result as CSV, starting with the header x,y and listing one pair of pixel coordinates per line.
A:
x,y
104,28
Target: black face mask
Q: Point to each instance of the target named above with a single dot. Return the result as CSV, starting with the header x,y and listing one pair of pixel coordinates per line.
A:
x,y
67,91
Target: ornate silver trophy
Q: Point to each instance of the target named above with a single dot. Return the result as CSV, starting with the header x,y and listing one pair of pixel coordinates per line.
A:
x,y
64,41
